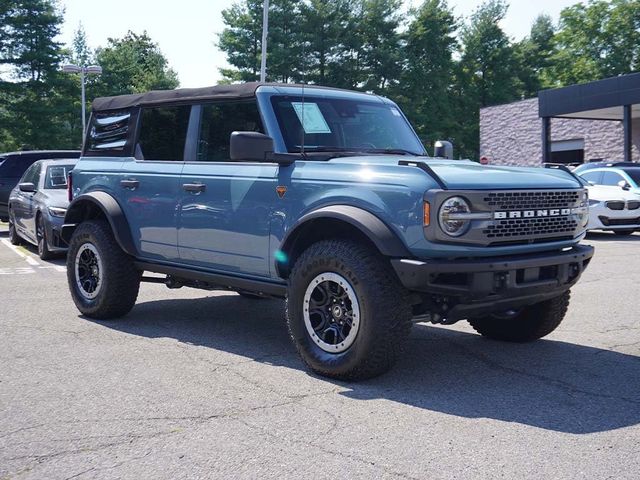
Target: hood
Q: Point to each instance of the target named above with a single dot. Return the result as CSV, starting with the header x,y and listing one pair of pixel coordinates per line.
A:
x,y
468,175
604,193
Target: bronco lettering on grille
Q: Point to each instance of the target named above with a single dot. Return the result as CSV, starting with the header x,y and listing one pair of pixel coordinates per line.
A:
x,y
556,212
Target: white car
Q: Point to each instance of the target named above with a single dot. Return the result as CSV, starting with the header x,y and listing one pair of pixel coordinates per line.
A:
x,y
614,209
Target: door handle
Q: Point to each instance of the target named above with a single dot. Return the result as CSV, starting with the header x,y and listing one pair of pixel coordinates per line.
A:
x,y
194,187
130,184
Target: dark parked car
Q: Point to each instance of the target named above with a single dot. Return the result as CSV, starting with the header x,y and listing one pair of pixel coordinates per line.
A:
x,y
14,164
38,204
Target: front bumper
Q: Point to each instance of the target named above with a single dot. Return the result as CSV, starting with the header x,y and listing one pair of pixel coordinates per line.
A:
x,y
472,287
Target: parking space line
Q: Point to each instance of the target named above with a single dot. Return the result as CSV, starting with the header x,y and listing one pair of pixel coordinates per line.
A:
x,y
28,258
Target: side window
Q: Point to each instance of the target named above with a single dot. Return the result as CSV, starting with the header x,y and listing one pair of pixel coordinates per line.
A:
x,y
108,131
611,178
163,132
217,123
593,177
32,175
15,167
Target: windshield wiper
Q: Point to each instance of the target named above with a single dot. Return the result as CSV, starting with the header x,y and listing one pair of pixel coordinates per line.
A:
x,y
393,151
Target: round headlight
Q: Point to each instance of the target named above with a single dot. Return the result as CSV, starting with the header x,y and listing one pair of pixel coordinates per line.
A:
x,y
449,211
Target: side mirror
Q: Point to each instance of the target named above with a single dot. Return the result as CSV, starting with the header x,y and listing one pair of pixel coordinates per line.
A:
x,y
624,185
250,146
443,149
27,187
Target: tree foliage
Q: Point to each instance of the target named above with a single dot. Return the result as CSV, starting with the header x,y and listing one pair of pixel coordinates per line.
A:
x,y
596,40
440,68
133,64
40,106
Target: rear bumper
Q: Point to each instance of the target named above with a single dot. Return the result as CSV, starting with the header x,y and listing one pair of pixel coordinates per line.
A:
x,y
478,286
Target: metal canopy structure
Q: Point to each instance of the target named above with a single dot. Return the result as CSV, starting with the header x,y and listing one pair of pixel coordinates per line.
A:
x,y
616,99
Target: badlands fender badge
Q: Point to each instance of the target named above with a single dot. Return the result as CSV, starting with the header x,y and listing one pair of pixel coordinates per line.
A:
x,y
281,190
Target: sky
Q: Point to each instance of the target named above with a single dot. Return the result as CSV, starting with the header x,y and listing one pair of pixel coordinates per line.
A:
x,y
187,35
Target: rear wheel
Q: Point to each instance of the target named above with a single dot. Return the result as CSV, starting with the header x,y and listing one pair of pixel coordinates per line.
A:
x,y
14,238
525,324
347,314
103,280
41,236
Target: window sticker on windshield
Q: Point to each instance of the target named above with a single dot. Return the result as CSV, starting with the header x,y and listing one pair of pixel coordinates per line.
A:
x,y
311,117
396,112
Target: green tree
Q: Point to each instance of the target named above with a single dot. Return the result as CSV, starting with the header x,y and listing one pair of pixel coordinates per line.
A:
x,y
34,96
487,73
132,64
379,50
81,53
426,87
597,39
241,40
534,56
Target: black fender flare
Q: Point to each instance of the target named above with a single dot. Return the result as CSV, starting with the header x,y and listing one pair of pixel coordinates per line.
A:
x,y
381,235
81,206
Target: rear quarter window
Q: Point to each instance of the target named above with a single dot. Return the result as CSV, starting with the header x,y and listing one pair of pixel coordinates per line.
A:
x,y
109,131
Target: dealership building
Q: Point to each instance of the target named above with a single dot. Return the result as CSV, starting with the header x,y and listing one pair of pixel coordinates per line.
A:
x,y
598,121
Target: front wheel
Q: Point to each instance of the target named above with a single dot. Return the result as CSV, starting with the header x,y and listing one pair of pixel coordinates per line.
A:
x,y
347,314
526,324
103,280
14,238
41,235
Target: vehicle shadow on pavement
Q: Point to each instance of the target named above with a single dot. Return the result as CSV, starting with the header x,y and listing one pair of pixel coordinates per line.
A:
x,y
547,384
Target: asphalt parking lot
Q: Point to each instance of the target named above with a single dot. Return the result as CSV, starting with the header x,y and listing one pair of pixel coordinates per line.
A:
x,y
194,384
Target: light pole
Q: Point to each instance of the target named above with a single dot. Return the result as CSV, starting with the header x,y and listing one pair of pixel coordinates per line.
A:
x,y
265,29
83,71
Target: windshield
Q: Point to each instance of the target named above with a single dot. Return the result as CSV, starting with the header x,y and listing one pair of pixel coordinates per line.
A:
x,y
634,173
332,124
57,176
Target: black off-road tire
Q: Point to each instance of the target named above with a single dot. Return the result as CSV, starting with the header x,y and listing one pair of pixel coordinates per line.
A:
x,y
41,236
120,279
531,323
14,238
623,233
385,310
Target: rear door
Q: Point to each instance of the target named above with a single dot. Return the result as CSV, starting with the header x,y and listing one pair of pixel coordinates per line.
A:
x,y
149,183
226,206
10,172
23,204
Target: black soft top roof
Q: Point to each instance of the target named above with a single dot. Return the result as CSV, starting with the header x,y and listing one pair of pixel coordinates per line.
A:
x,y
157,97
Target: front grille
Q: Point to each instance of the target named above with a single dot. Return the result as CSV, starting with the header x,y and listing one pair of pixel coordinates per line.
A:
x,y
615,205
531,227
531,199
633,205
537,222
619,222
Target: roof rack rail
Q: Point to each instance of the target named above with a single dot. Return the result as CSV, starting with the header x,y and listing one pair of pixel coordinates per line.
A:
x,y
427,169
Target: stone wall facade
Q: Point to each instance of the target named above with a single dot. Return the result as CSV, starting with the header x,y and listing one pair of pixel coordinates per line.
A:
x,y
512,135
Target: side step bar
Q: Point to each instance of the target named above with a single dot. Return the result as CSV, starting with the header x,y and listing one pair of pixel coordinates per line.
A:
x,y
215,280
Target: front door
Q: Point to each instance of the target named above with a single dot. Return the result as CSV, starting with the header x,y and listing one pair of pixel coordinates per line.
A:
x,y
226,206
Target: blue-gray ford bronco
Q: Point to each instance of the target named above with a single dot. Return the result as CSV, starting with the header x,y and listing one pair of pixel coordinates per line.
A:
x,y
324,197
